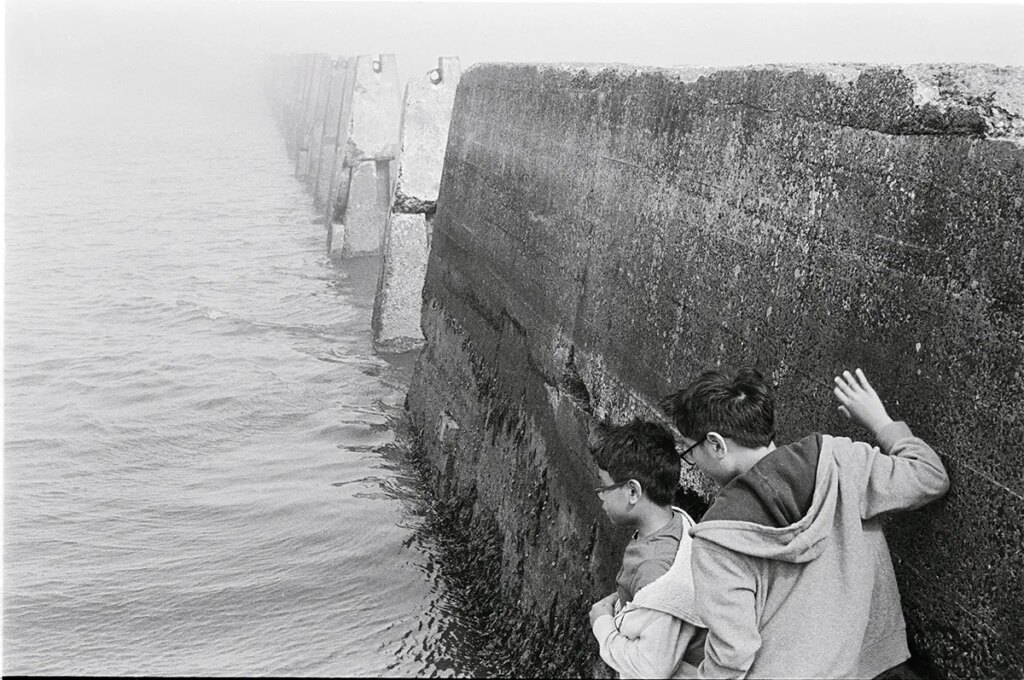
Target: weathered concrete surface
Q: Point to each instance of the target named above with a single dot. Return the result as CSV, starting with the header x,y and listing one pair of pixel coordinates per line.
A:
x,y
426,115
376,110
316,135
341,175
339,94
604,233
396,306
319,65
301,69
366,212
372,137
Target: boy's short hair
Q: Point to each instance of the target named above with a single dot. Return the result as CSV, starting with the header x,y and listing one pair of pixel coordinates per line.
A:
x,y
642,451
737,404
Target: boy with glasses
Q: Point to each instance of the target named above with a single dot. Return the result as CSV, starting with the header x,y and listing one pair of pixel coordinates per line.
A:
x,y
648,627
792,572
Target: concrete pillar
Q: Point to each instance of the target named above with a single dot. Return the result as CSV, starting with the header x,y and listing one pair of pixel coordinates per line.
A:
x,y
340,175
396,307
426,116
305,133
315,125
376,109
339,91
366,211
319,125
303,65
370,149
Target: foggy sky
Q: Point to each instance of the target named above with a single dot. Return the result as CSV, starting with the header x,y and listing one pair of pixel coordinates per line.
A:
x,y
214,48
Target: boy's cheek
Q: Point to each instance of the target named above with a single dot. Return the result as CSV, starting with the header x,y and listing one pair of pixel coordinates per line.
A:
x,y
612,518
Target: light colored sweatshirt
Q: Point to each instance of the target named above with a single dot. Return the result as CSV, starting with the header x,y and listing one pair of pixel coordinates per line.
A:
x,y
792,571
658,634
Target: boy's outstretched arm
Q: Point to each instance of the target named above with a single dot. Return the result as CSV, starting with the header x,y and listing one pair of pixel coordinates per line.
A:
x,y
911,474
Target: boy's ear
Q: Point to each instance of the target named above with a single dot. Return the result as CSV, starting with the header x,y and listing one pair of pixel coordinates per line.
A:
x,y
718,445
636,491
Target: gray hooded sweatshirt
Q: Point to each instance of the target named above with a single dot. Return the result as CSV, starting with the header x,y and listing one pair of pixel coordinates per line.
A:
x,y
791,569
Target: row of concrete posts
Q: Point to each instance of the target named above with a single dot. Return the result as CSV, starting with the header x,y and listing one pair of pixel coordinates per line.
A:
x,y
372,161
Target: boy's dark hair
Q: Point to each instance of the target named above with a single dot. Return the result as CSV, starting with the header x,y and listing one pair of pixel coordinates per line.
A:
x,y
737,404
642,451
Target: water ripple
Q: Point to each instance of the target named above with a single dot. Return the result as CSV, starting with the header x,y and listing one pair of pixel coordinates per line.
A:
x,y
204,459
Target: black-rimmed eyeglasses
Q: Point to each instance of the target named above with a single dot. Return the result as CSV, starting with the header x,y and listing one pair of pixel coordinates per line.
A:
x,y
601,489
687,455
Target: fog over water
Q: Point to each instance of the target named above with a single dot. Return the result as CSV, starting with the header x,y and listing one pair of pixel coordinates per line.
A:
x,y
204,462
215,48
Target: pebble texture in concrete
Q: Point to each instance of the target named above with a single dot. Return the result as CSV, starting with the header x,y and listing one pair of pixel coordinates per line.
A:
x,y
426,115
607,232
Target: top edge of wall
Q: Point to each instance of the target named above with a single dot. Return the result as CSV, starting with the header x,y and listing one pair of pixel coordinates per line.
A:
x,y
966,99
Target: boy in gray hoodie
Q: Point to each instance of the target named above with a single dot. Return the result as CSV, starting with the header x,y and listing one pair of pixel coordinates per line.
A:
x,y
792,572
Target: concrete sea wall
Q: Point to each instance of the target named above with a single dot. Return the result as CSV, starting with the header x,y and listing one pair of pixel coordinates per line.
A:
x,y
603,233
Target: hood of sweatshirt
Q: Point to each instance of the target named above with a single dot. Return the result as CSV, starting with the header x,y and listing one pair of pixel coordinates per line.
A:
x,y
673,592
780,509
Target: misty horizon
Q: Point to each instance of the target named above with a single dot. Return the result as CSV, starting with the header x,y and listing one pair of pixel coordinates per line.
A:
x,y
217,49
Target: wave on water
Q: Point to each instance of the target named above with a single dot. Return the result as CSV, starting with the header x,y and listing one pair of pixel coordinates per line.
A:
x,y
206,465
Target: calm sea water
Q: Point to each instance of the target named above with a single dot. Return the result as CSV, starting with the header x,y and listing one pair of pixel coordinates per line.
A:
x,y
204,461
